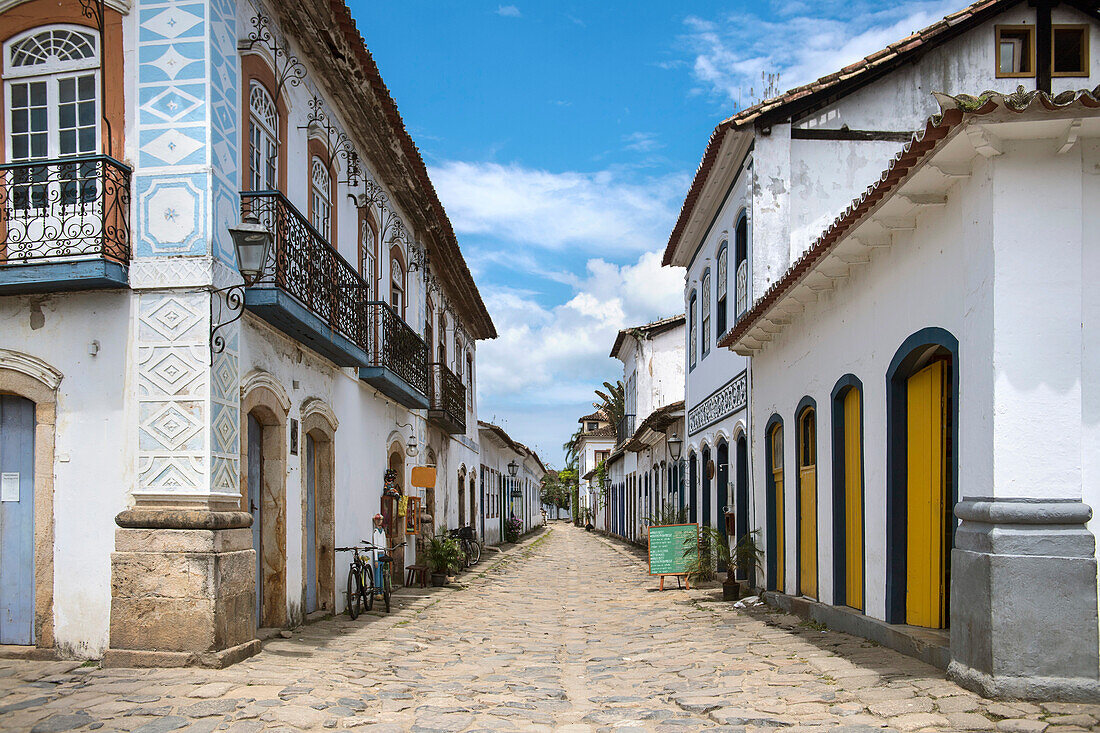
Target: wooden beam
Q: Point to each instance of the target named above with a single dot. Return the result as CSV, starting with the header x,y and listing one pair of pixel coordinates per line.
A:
x,y
817,133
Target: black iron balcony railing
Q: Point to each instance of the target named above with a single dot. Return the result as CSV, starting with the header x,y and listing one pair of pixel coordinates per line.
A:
x,y
625,429
395,346
447,397
64,209
303,264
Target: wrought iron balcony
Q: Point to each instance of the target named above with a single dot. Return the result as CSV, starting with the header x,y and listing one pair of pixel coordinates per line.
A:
x,y
398,363
64,224
306,289
625,429
447,397
310,292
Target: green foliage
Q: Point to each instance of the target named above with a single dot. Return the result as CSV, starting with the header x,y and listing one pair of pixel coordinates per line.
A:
x,y
570,447
613,401
749,556
704,556
444,554
668,513
554,492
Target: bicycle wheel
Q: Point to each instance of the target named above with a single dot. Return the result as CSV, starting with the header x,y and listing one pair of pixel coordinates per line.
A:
x,y
354,593
368,588
475,552
387,588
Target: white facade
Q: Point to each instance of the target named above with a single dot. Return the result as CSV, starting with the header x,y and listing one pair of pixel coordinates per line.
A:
x,y
505,496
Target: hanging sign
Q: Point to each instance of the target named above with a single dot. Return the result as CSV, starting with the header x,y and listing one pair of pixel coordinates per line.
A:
x,y
666,549
423,477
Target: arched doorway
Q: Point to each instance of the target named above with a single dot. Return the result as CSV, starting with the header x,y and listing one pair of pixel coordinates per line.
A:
x,y
693,471
473,502
319,530
396,531
807,498
774,505
263,491
741,502
462,496
17,525
848,526
708,476
722,475
922,475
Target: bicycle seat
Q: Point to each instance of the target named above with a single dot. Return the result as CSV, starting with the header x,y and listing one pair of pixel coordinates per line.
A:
x,y
385,558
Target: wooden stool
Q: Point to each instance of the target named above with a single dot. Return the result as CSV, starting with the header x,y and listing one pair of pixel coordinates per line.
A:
x,y
414,573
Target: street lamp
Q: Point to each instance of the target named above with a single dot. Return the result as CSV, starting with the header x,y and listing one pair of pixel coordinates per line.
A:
x,y
675,447
513,468
252,241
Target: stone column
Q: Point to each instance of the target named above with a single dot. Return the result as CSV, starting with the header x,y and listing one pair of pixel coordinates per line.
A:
x,y
182,584
1023,570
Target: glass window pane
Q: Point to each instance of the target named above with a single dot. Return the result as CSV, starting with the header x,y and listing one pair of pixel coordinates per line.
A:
x,y
19,147
19,119
67,142
19,95
87,140
87,113
67,115
38,94
39,145
66,89
86,87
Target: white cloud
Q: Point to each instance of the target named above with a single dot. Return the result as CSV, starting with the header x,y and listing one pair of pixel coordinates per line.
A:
x,y
508,11
557,211
642,142
733,52
556,355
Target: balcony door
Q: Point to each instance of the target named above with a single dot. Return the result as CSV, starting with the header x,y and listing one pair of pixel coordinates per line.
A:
x,y
51,83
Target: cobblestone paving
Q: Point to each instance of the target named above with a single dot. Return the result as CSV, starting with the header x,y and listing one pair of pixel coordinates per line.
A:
x,y
566,633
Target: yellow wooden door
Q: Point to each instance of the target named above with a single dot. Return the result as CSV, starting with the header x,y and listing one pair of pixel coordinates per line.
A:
x,y
926,490
807,522
853,502
780,535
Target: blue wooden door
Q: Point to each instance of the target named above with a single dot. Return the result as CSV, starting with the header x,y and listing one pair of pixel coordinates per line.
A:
x,y
311,526
16,520
255,501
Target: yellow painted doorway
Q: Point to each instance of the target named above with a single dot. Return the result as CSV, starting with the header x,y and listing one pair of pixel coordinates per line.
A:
x,y
926,488
807,503
853,501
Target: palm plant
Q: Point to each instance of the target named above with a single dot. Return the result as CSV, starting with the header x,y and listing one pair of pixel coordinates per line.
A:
x,y
613,401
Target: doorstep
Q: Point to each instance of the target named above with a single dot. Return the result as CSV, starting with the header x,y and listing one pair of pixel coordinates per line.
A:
x,y
18,651
931,646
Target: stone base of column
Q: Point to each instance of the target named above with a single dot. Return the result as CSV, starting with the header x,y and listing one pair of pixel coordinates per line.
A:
x,y
1024,601
182,589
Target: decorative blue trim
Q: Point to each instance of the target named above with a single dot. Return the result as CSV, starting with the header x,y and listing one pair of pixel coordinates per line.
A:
x,y
806,403
840,528
772,579
52,277
902,366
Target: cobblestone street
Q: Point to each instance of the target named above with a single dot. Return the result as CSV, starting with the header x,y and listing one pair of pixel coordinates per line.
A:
x,y
566,632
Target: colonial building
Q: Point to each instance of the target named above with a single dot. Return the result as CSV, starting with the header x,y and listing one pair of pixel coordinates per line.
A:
x,y
645,475
594,445
232,301
896,412
511,474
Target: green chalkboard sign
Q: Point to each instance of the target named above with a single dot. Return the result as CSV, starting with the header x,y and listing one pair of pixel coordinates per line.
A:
x,y
666,548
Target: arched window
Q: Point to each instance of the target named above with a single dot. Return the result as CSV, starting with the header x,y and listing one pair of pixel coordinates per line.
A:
x,y
429,335
52,80
263,150
368,254
442,353
693,331
706,312
720,316
458,360
741,265
470,380
774,506
807,499
397,286
320,203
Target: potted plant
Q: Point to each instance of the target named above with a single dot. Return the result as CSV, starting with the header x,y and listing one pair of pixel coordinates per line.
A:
x,y
443,554
703,554
748,557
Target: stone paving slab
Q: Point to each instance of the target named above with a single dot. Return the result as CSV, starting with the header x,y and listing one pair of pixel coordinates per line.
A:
x,y
565,632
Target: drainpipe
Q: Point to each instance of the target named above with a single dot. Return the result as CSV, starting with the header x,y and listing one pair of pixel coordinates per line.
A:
x,y
1043,41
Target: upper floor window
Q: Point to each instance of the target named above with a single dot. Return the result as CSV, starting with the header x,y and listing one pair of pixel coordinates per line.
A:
x,y
458,360
368,255
1015,50
469,380
593,425
397,287
693,335
429,337
720,306
741,265
706,312
1070,50
263,155
442,353
320,205
51,79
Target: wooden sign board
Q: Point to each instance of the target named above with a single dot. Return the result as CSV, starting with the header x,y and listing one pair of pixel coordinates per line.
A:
x,y
423,477
666,549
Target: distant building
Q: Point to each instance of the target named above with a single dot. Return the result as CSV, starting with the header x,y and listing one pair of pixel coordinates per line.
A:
x,y
594,445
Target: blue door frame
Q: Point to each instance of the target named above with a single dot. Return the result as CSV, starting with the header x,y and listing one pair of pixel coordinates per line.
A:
x,y
17,521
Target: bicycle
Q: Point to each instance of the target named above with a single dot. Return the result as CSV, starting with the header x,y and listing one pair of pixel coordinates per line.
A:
x,y
360,574
471,549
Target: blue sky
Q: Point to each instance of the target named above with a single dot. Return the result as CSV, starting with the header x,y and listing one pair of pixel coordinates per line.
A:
x,y
562,137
